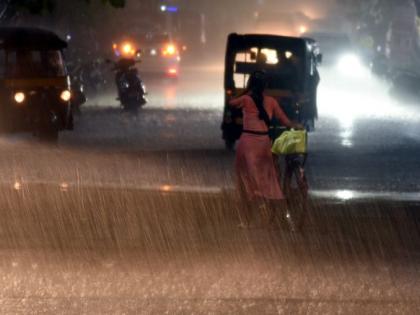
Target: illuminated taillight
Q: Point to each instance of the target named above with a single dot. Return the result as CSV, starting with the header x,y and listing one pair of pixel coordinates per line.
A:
x,y
172,71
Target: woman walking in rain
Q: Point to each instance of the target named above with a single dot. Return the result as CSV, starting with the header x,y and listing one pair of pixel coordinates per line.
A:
x,y
257,178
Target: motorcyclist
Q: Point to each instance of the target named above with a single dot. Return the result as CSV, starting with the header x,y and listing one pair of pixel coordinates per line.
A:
x,y
131,91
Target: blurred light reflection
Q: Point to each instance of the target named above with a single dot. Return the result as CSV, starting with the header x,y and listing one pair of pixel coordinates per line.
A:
x,y
346,143
17,185
349,100
345,194
64,187
166,188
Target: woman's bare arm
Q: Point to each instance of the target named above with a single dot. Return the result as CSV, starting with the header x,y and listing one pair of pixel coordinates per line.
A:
x,y
237,101
282,117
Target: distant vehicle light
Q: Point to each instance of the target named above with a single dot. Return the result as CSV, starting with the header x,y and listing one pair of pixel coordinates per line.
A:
x,y
20,97
153,52
288,54
170,50
127,48
163,8
65,95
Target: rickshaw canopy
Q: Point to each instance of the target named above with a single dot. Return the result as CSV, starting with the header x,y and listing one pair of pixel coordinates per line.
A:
x,y
30,38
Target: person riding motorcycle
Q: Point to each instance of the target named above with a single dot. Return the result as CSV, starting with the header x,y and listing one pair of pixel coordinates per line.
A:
x,y
131,90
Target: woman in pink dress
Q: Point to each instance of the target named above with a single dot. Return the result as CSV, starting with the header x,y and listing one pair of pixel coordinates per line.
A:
x,y
257,178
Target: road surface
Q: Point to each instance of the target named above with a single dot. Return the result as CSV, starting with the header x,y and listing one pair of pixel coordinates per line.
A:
x,y
137,215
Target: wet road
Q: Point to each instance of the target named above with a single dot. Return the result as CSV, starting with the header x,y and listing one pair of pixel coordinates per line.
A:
x,y
366,144
136,215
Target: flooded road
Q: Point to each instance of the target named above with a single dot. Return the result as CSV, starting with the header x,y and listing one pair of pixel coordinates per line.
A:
x,y
136,215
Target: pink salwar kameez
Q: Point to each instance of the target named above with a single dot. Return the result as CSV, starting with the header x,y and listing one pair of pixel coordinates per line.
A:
x,y
255,169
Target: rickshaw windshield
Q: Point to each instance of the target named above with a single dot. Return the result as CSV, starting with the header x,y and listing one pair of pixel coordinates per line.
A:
x,y
284,66
31,64
284,59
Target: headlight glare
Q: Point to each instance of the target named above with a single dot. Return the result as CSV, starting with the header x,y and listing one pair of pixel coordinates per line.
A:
x,y
19,97
351,65
65,95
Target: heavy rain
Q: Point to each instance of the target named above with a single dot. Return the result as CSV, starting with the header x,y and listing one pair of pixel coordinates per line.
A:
x,y
122,187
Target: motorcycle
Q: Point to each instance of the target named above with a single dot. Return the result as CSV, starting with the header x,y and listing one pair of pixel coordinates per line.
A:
x,y
130,86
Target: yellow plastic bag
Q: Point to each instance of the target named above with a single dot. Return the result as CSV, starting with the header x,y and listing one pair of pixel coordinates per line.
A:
x,y
291,142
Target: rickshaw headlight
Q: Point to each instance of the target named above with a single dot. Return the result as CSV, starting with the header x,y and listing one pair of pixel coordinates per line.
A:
x,y
65,95
19,97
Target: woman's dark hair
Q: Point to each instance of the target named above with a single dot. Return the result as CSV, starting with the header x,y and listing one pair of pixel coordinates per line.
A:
x,y
256,86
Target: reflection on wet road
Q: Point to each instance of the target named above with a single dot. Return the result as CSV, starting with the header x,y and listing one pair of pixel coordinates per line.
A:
x,y
100,250
365,141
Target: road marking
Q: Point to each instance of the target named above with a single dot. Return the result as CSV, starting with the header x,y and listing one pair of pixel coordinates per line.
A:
x,y
340,195
345,195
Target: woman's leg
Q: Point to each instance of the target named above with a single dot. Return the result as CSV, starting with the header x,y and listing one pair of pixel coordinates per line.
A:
x,y
254,213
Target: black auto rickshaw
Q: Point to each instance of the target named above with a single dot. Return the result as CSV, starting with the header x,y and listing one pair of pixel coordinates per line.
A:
x,y
34,85
291,66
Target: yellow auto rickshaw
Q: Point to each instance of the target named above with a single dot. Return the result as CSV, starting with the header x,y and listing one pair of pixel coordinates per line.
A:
x,y
291,67
34,85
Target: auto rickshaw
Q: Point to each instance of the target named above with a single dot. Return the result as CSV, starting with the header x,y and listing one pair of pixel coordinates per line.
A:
x,y
291,67
34,84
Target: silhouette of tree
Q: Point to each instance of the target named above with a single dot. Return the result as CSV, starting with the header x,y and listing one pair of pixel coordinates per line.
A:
x,y
10,7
